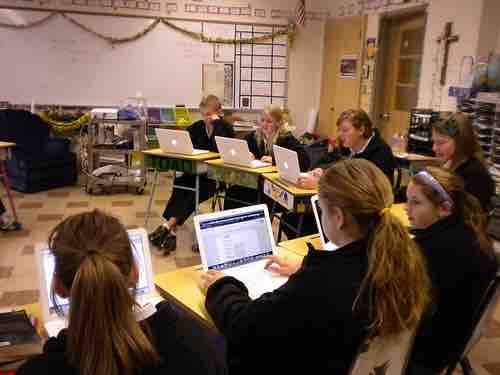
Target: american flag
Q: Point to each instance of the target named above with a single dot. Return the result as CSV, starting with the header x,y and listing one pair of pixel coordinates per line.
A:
x,y
300,13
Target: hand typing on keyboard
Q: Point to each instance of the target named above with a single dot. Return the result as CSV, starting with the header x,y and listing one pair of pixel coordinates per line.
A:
x,y
208,278
281,266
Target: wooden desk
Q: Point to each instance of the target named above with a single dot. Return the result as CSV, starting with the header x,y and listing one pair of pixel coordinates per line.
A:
x,y
299,245
5,154
192,164
290,197
181,286
231,174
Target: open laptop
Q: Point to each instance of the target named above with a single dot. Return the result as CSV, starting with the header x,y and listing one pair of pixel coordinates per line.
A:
x,y
287,163
177,142
236,242
327,244
235,151
144,293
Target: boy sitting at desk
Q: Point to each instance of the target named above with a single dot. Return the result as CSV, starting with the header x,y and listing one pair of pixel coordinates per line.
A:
x,y
182,202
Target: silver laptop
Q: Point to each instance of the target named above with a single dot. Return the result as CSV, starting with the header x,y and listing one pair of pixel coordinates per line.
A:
x,y
145,292
327,244
236,242
177,142
287,163
235,151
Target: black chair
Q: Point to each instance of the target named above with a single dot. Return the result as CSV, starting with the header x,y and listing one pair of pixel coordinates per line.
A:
x,y
483,316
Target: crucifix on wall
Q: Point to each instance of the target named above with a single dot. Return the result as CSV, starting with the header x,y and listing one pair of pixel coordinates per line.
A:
x,y
447,38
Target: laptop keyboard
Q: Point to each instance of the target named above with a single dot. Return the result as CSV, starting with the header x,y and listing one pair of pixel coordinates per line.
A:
x,y
259,164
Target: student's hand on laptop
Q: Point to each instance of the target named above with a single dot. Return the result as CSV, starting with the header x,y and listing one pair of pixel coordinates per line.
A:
x,y
281,266
309,182
267,159
208,278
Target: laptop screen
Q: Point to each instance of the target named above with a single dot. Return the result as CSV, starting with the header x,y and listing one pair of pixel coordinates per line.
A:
x,y
235,239
142,287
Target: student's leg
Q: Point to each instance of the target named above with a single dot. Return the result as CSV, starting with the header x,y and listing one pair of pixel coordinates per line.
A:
x,y
239,193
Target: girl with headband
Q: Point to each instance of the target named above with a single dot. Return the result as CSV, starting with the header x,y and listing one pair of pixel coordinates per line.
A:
x,y
449,227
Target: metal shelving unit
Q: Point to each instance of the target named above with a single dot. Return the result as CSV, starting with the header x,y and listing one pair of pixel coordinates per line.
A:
x,y
121,157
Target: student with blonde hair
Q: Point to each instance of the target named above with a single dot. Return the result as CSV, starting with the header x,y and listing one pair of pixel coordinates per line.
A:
x,y
273,130
456,143
374,285
450,228
181,203
108,334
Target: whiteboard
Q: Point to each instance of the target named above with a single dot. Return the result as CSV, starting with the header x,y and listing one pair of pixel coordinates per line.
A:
x,y
58,63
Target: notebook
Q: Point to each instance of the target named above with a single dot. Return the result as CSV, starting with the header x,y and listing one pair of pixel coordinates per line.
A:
x,y
144,293
235,151
327,244
177,142
287,163
235,242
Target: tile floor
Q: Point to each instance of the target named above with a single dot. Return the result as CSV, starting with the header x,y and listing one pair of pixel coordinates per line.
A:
x,y
40,212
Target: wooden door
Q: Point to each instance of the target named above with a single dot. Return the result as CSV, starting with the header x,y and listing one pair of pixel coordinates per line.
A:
x,y
343,38
403,45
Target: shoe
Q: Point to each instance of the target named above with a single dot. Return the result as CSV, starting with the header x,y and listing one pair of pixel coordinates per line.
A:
x,y
168,243
156,237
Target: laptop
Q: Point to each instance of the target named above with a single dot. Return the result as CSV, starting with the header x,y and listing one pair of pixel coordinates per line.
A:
x,y
145,292
327,243
287,163
235,151
236,242
177,142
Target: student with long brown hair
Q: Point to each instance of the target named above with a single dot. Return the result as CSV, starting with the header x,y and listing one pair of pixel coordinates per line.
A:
x,y
374,285
456,143
108,334
450,228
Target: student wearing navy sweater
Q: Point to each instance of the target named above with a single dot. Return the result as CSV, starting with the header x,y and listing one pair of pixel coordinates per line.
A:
x,y
374,284
181,203
108,334
449,227
273,130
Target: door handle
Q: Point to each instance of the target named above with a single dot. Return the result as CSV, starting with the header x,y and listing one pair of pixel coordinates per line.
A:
x,y
386,116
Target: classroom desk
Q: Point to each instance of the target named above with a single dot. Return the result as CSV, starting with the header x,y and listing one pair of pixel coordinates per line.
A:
x,y
405,159
231,174
182,288
290,197
299,245
162,161
5,154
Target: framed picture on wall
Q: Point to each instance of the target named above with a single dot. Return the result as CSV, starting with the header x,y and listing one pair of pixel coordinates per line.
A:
x,y
349,66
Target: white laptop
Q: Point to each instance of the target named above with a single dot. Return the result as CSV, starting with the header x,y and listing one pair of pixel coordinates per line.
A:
x,y
235,242
235,151
177,142
287,163
145,292
327,244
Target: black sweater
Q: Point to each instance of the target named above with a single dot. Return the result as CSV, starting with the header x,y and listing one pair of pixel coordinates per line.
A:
x,y
286,140
478,181
305,325
183,345
377,151
460,273
199,136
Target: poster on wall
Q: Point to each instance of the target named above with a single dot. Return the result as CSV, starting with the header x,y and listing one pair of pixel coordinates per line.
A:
x,y
348,66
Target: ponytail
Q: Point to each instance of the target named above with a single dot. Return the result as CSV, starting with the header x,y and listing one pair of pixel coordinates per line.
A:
x,y
103,336
94,262
475,217
396,287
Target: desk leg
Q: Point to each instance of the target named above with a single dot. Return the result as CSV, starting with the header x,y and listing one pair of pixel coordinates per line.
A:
x,y
6,182
151,197
197,195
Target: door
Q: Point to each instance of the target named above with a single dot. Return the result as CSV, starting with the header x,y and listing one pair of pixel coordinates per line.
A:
x,y
402,47
339,92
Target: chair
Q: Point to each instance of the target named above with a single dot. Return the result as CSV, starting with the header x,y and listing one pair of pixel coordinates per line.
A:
x,y
384,356
39,161
483,316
